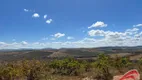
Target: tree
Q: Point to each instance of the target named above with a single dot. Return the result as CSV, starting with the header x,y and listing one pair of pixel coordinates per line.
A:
x,y
103,65
121,62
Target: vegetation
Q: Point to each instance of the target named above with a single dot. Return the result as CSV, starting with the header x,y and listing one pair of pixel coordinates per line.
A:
x,y
104,68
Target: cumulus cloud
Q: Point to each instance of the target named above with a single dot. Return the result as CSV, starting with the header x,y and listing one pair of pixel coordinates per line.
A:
x,y
107,35
35,15
24,43
88,40
2,43
117,37
26,10
96,33
98,24
59,35
138,35
111,39
132,31
138,25
14,45
69,37
129,37
49,21
45,16
111,33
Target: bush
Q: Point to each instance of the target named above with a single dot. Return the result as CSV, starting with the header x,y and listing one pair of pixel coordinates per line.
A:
x,y
10,72
121,62
68,66
103,66
48,70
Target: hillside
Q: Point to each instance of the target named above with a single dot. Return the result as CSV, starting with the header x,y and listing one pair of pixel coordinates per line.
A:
x,y
133,52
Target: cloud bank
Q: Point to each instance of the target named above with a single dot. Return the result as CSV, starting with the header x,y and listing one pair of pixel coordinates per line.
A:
x,y
94,38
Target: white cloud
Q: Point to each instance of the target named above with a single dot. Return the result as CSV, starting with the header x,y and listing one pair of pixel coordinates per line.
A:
x,y
35,15
24,43
138,35
26,10
49,21
111,33
98,24
2,43
130,37
69,37
111,39
131,31
45,16
14,45
96,33
59,35
138,25
107,35
114,36
88,40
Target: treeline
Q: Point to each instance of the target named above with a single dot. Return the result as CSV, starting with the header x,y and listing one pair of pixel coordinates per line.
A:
x,y
104,68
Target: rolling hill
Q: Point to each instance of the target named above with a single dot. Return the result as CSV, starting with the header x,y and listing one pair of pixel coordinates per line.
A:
x,y
41,54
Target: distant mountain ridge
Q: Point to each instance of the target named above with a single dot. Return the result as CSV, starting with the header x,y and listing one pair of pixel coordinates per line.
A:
x,y
47,53
108,47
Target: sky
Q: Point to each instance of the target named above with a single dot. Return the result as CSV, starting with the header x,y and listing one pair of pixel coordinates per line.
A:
x,y
70,23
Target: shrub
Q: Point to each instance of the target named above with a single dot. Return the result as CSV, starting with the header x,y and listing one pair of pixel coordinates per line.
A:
x,y
10,72
68,66
121,62
103,65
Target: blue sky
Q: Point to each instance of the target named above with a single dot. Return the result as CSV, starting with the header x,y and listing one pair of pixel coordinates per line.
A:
x,y
70,23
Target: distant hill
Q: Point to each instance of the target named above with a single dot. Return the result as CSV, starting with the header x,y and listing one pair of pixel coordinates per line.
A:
x,y
18,55
47,53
